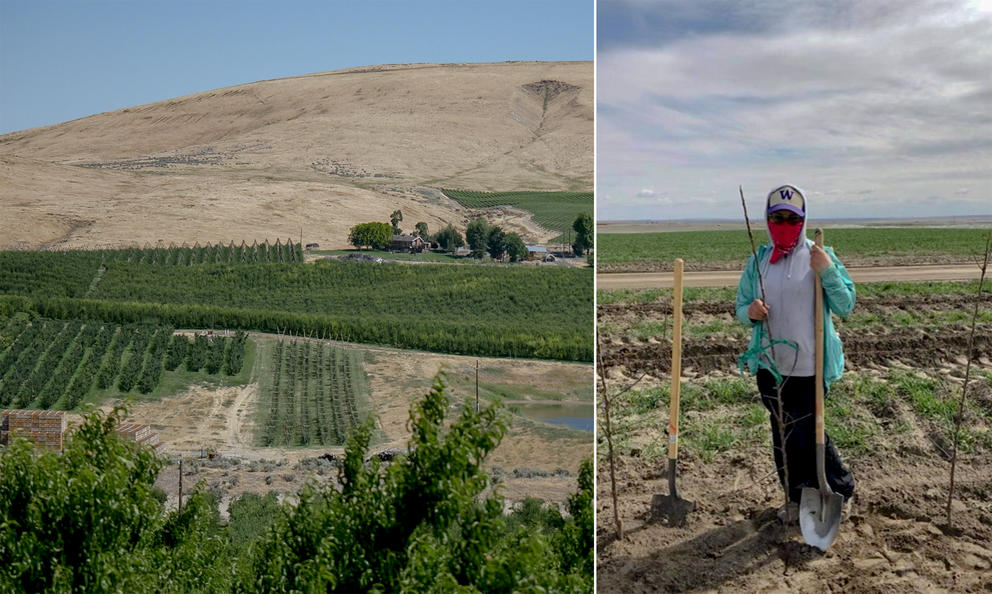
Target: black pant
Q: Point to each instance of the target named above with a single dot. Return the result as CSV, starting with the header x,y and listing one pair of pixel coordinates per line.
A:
x,y
798,401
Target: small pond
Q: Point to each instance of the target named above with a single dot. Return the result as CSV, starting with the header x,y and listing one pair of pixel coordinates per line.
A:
x,y
572,415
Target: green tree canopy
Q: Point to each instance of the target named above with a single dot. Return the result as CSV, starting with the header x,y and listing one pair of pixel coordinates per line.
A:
x,y
426,523
395,219
374,235
584,234
477,236
421,231
87,520
515,247
496,243
419,525
449,238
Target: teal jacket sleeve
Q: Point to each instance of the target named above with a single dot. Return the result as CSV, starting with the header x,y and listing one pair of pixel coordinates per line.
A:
x,y
837,286
746,292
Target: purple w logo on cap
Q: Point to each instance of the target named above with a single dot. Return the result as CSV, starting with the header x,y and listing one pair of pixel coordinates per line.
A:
x,y
787,198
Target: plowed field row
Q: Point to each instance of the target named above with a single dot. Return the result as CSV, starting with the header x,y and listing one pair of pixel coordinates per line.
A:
x,y
917,330
911,346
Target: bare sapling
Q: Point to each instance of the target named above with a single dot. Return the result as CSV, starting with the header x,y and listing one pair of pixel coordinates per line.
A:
x,y
779,410
608,401
959,416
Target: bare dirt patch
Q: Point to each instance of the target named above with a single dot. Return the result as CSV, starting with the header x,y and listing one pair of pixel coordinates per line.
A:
x,y
894,540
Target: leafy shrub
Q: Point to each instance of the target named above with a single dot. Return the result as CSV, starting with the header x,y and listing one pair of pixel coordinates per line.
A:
x,y
422,522
89,520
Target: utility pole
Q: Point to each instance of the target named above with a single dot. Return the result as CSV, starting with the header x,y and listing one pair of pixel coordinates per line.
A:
x,y
476,385
180,484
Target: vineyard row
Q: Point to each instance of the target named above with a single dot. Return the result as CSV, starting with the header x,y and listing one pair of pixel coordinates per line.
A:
x,y
492,311
313,396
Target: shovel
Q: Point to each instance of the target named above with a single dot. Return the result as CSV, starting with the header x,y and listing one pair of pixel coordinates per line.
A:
x,y
819,509
671,506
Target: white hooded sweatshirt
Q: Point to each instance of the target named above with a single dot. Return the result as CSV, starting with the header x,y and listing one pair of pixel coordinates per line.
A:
x,y
790,297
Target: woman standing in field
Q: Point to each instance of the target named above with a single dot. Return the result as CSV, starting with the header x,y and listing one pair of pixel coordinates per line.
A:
x,y
781,352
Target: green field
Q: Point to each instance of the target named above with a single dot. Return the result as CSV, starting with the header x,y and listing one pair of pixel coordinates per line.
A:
x,y
311,393
730,249
552,210
473,310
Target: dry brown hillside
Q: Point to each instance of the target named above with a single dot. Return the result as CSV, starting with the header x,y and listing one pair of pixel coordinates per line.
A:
x,y
322,152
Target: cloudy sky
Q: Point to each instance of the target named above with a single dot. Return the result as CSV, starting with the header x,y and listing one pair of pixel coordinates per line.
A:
x,y
876,109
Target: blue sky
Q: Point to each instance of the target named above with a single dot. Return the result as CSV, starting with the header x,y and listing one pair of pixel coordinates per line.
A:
x,y
876,109
64,60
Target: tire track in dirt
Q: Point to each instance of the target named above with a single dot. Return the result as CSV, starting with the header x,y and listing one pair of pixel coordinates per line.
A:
x,y
238,435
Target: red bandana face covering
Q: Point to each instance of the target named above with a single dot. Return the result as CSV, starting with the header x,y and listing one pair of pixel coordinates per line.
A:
x,y
785,236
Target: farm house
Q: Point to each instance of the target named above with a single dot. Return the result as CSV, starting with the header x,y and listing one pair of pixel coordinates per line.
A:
x,y
537,252
407,243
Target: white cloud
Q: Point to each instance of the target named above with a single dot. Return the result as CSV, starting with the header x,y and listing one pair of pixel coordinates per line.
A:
x,y
646,193
815,97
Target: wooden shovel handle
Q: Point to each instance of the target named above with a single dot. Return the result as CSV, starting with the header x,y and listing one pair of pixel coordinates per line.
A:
x,y
818,350
673,410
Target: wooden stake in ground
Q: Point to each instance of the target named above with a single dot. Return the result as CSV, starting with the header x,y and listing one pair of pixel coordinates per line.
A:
x,y
671,507
967,374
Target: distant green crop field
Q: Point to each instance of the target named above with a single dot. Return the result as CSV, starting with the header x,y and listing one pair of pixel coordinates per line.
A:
x,y
553,210
494,310
730,249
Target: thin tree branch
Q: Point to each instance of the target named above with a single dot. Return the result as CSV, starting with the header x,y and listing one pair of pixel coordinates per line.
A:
x,y
967,375
610,452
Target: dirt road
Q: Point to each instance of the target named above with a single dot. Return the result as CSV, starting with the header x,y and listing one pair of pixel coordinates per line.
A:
x,y
729,278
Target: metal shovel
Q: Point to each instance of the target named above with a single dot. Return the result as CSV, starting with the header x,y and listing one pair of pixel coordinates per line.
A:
x,y
820,509
671,506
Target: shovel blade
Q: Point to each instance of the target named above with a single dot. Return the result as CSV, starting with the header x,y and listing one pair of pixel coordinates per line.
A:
x,y
670,509
819,516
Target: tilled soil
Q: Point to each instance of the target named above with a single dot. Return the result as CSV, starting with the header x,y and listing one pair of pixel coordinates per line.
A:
x,y
910,346
877,346
875,304
895,539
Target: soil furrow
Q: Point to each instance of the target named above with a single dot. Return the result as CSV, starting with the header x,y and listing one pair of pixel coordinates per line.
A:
x,y
913,346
